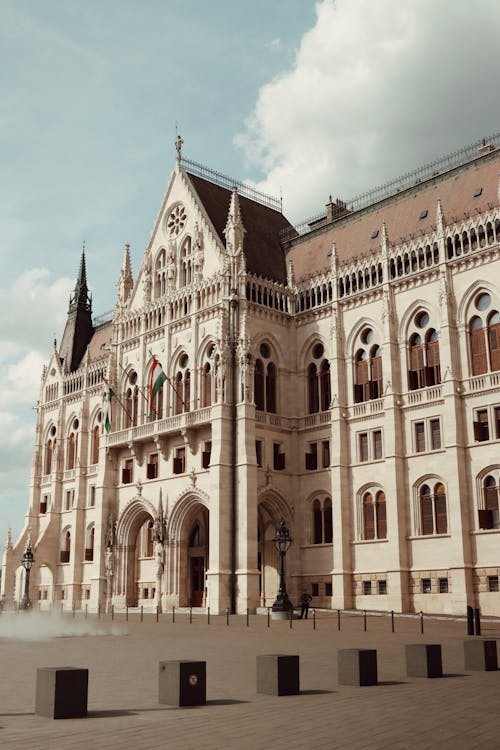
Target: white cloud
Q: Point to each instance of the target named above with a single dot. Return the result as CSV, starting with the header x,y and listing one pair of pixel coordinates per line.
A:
x,y
377,88
33,310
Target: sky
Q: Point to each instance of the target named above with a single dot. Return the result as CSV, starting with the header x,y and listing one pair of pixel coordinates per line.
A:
x,y
301,98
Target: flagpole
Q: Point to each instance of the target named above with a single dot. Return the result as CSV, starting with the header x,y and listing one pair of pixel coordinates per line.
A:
x,y
118,399
171,384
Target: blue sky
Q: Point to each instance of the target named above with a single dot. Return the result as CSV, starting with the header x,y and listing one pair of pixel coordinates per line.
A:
x,y
308,98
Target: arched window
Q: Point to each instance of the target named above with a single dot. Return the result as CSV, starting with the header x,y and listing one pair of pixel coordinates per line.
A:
x,y
368,517
72,446
49,447
367,368
488,514
186,262
433,512
265,381
327,521
374,519
484,335
258,385
380,516
312,388
182,386
319,391
187,390
131,401
424,365
207,385
494,340
479,359
66,546
96,432
89,543
321,531
271,388
178,393
149,539
325,385
317,522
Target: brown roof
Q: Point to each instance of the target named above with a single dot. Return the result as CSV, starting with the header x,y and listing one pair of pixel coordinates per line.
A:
x,y
102,335
401,214
263,252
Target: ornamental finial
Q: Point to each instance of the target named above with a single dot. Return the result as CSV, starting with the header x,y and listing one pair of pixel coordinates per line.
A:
x,y
178,147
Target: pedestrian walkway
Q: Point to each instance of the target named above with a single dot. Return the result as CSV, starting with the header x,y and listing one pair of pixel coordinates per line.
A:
x,y
458,711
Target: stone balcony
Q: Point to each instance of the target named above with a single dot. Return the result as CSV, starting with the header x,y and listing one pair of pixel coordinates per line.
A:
x,y
161,427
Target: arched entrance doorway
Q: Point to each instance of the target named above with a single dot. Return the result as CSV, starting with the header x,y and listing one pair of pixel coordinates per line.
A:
x,y
135,582
197,552
271,509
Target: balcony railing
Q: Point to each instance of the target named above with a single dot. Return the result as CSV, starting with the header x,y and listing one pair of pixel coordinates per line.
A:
x,y
160,427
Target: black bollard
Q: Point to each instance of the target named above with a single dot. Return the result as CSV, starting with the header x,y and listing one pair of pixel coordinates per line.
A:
x,y
470,620
392,620
227,616
364,620
142,613
248,617
268,617
112,611
422,622
190,615
157,612
86,608
173,613
208,615
338,619
477,621
98,611
314,619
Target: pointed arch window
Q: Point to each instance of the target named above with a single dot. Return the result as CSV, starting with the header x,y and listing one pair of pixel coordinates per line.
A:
x,y
131,401
49,447
374,518
424,361
317,522
66,547
367,369
260,403
207,384
312,388
479,359
96,433
325,385
89,546
433,510
489,513
72,446
494,340
327,521
271,388
149,539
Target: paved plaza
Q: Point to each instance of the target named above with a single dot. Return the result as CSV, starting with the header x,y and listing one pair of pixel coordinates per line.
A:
x,y
461,710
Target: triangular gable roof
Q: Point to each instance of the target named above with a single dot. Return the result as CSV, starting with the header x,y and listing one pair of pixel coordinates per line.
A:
x,y
263,252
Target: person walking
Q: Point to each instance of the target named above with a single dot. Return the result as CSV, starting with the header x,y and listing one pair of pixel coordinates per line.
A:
x,y
305,600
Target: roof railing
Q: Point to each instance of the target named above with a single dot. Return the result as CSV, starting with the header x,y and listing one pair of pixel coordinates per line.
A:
x,y
403,182
199,170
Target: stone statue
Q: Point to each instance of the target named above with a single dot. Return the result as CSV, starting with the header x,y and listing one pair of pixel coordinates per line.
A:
x,y
109,563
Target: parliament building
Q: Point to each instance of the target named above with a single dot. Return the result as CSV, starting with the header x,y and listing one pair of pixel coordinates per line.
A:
x,y
342,375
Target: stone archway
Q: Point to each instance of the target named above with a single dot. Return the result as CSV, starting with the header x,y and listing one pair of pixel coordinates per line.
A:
x,y
136,571
188,533
271,508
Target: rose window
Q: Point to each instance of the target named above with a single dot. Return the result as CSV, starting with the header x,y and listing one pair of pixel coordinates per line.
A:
x,y
176,221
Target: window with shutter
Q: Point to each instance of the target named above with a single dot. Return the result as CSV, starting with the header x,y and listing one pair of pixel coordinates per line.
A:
x,y
380,508
362,381
478,350
419,437
440,505
426,512
376,377
363,446
494,344
417,367
368,517
433,372
312,385
435,426
317,523
481,425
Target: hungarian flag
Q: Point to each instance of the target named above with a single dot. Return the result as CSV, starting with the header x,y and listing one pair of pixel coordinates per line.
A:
x,y
156,380
107,409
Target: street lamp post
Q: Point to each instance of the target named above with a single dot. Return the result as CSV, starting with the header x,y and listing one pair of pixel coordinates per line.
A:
x,y
282,541
27,562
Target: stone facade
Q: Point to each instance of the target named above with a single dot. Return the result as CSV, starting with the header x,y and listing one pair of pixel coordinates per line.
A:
x,y
345,378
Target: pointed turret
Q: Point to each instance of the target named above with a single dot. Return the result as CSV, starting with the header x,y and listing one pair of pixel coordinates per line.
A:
x,y
79,329
125,282
234,231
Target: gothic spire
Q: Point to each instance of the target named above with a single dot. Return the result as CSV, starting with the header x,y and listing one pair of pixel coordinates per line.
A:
x,y
234,230
125,282
79,329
